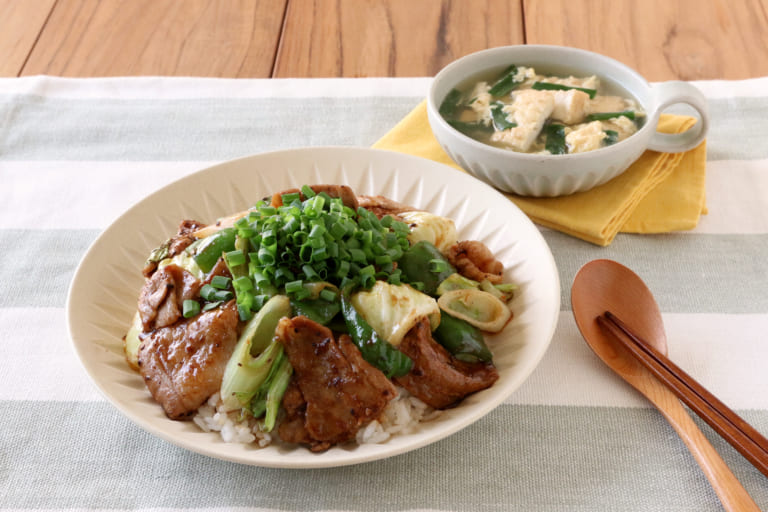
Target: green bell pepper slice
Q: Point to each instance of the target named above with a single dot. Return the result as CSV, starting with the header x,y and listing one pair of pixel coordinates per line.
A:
x,y
374,349
417,265
463,340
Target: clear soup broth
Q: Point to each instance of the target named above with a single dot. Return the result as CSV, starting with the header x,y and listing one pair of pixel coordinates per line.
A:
x,y
529,110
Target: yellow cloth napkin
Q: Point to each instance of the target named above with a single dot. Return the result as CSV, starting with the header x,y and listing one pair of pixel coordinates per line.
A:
x,y
660,192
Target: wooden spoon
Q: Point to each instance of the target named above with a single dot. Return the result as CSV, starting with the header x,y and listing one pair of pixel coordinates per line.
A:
x,y
604,285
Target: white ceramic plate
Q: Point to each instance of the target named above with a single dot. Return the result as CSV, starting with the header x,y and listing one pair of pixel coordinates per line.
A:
x,y
103,293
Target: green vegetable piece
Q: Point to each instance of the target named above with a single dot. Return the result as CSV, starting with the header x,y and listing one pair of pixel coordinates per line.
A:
x,y
158,254
211,294
500,120
506,83
220,282
234,258
317,310
503,291
611,137
547,86
270,394
240,270
373,348
464,341
555,139
604,116
275,393
211,305
212,247
416,264
190,308
451,103
469,128
456,282
256,351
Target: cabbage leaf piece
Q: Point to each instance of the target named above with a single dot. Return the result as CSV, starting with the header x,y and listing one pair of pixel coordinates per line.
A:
x,y
392,310
132,342
437,230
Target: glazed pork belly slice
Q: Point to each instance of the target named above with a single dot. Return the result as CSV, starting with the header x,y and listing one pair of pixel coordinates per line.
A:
x,y
437,378
333,391
381,206
183,364
163,294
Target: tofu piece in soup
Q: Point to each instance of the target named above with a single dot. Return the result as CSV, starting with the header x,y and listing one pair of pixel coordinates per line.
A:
x,y
600,104
570,106
530,110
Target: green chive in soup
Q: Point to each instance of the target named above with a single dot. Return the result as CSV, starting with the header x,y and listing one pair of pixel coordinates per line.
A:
x,y
524,111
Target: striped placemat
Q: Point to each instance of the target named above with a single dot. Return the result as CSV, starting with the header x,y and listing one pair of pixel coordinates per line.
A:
x,y
75,153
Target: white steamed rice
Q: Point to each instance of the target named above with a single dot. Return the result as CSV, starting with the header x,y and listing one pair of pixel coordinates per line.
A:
x,y
401,416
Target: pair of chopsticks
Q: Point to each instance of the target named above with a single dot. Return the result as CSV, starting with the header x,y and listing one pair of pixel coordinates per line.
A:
x,y
740,434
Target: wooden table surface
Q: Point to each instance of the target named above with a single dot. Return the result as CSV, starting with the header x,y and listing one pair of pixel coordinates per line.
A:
x,y
662,39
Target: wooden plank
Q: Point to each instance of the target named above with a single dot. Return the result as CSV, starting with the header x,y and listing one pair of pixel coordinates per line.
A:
x,y
216,38
362,38
20,23
662,39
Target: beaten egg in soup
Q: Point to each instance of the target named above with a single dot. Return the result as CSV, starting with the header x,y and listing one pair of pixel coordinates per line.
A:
x,y
528,112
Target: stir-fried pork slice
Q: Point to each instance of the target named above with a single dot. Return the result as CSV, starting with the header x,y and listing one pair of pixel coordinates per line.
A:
x,y
381,206
293,426
341,390
437,378
183,365
475,261
161,298
219,269
173,246
343,192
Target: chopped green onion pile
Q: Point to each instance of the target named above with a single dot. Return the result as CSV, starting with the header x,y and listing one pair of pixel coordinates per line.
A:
x,y
304,241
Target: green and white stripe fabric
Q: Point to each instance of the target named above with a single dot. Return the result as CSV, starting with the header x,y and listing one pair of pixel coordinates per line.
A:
x,y
75,153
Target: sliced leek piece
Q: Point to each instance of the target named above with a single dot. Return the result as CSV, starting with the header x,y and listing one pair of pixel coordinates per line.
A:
x,y
476,307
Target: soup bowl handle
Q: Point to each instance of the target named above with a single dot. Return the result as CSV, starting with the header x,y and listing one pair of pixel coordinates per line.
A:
x,y
675,92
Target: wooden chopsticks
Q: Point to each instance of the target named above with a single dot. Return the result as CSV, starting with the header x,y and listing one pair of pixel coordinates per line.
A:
x,y
740,434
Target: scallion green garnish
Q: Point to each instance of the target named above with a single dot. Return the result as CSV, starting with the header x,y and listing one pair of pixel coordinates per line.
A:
x,y
292,287
211,294
312,237
328,295
604,116
549,86
234,258
190,308
212,305
220,282
290,198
